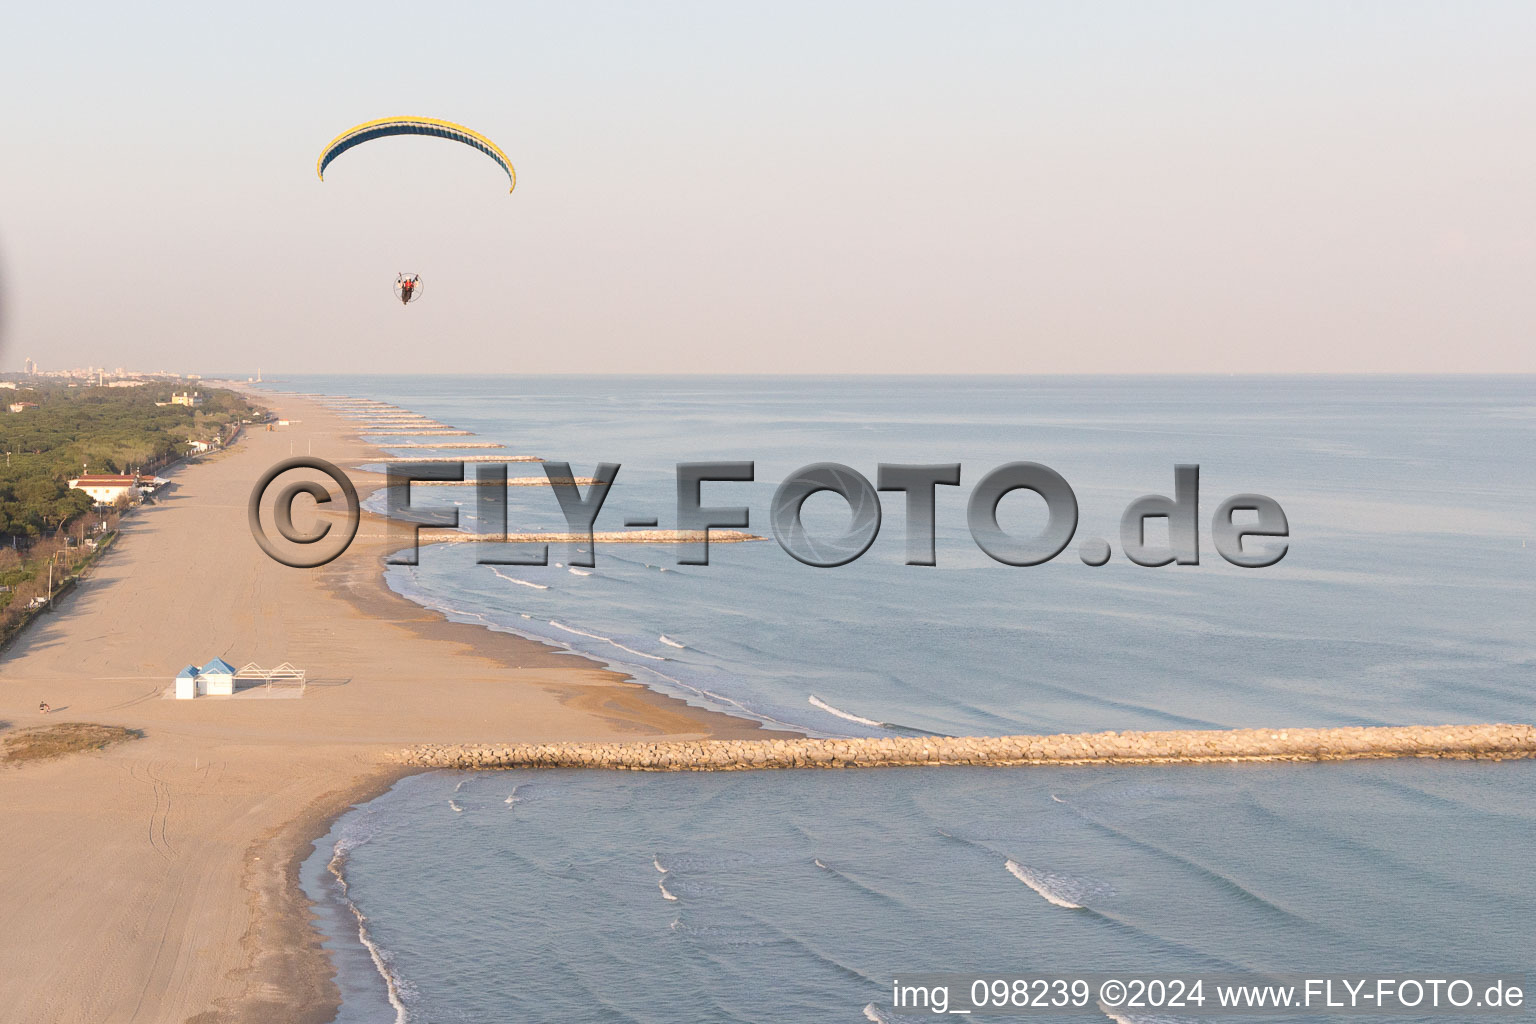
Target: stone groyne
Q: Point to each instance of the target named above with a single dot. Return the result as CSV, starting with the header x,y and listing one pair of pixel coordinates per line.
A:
x,y
511,481
1494,742
457,458
374,426
444,444
598,537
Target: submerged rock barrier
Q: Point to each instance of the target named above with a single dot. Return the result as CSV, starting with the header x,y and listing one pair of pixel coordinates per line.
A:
x,y
598,537
454,458
511,481
1494,742
443,444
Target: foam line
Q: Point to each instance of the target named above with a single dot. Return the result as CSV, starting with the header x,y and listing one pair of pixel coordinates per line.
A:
x,y
829,709
514,579
337,868
1040,885
606,640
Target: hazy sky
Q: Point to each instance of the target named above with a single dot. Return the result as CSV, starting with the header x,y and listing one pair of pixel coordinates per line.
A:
x,y
785,187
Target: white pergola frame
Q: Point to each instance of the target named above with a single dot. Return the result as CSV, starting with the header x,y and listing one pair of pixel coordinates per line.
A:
x,y
284,674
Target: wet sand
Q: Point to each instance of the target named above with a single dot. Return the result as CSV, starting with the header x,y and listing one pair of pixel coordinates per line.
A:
x,y
158,880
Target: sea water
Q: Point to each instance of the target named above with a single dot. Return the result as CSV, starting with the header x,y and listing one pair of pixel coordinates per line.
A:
x,y
1407,595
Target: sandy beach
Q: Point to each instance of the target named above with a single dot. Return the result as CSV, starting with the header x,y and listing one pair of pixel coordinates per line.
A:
x,y
157,880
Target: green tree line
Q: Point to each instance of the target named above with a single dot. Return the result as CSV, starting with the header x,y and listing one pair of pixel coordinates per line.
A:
x,y
77,429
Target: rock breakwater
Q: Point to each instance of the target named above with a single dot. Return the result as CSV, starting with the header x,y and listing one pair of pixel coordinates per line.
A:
x,y
598,537
1494,741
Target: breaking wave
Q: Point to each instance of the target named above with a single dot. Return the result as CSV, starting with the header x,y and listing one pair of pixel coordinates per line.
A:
x,y
829,709
1121,1017
606,640
1055,889
381,957
848,716
521,583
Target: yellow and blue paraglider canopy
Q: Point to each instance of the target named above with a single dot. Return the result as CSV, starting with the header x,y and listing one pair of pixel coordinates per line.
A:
x,y
370,130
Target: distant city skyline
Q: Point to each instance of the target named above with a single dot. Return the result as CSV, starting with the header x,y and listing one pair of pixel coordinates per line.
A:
x,y
887,188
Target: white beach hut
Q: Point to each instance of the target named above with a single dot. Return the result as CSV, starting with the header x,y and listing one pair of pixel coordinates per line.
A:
x,y
217,678
186,683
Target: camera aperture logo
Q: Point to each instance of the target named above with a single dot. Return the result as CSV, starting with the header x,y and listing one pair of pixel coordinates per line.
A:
x,y
1237,521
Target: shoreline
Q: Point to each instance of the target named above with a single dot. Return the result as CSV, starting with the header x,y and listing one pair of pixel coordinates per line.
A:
x,y
291,953
358,577
201,915
198,827
284,943
304,969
